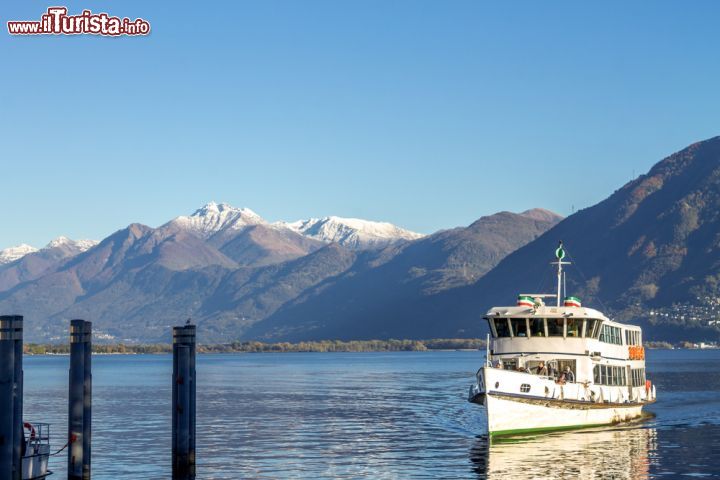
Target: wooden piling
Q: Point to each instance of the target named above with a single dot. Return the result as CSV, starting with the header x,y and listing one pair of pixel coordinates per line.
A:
x,y
19,434
183,403
80,400
11,429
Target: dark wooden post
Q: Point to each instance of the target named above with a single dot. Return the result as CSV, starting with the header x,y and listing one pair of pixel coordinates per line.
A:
x,y
183,402
80,400
11,429
19,434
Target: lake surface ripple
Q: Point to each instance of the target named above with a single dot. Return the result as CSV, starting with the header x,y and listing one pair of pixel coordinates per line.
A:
x,y
373,415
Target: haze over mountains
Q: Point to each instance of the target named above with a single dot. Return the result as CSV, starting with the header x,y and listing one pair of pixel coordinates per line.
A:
x,y
652,244
230,269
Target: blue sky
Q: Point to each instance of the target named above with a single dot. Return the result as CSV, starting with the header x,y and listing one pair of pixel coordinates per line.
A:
x,y
425,114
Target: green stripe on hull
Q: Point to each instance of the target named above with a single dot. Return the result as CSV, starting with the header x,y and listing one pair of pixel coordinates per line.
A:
x,y
522,431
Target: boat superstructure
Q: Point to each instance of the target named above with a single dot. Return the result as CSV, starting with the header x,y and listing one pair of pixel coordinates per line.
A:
x,y
561,366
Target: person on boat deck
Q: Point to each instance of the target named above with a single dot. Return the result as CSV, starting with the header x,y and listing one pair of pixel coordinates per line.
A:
x,y
566,376
541,369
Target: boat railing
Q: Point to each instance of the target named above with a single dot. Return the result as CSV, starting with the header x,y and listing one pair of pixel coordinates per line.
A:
x,y
37,433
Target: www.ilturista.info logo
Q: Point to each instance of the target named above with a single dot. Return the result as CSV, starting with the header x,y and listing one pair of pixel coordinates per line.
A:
x,y
57,22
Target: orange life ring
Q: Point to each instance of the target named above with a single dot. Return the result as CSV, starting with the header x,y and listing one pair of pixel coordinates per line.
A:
x,y
31,427
648,385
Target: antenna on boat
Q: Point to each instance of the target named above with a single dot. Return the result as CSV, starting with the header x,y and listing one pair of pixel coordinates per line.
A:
x,y
560,254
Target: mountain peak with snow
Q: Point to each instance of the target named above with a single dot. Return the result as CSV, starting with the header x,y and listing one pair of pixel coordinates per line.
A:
x,y
216,217
11,254
354,233
78,246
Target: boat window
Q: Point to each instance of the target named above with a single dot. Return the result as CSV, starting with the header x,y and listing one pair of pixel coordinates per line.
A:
x,y
537,327
561,364
632,337
501,327
510,364
555,327
525,387
594,327
574,327
637,377
610,334
611,375
519,327
589,325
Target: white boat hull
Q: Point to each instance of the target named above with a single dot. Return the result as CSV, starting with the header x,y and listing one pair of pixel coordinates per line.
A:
x,y
544,405
510,416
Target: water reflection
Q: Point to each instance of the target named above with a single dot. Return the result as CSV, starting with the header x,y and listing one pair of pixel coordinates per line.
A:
x,y
612,453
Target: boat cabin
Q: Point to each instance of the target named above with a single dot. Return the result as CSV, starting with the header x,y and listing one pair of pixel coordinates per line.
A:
x,y
597,349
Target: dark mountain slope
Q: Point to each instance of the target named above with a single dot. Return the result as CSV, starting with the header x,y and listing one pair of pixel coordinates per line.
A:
x,y
379,296
653,243
92,284
260,245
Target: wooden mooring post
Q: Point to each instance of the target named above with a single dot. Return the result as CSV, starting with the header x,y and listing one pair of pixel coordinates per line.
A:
x,y
11,396
183,403
80,400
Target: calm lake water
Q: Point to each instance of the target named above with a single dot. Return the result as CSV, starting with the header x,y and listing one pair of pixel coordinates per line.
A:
x,y
372,415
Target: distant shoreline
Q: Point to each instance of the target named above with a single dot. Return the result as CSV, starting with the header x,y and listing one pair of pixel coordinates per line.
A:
x,y
352,346
325,346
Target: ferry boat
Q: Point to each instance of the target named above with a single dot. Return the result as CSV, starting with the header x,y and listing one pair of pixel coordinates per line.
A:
x,y
559,367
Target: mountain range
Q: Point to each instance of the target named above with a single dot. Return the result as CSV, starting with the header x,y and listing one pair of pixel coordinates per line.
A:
x,y
231,270
649,253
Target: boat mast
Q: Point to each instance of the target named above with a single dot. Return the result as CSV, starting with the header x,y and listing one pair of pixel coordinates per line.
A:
x,y
560,254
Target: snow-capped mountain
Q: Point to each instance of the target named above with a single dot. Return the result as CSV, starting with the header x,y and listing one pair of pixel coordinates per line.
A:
x,y
352,233
77,246
214,218
11,254
70,247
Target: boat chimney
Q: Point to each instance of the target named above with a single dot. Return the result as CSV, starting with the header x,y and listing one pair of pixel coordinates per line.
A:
x,y
183,393
80,400
11,388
